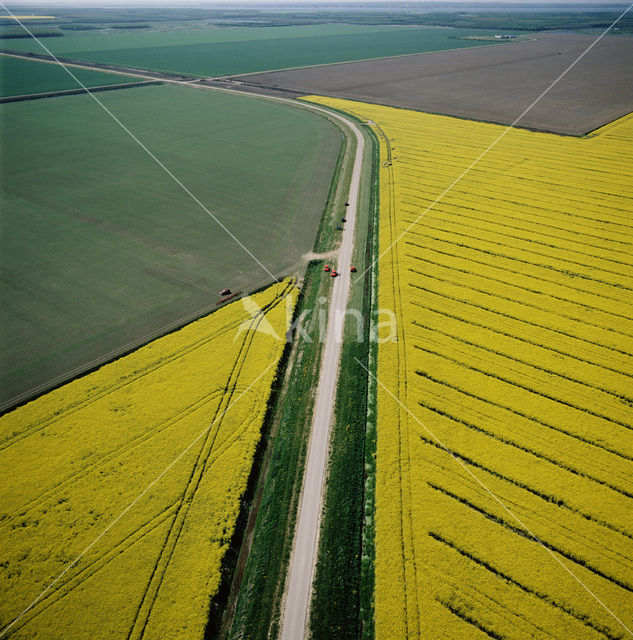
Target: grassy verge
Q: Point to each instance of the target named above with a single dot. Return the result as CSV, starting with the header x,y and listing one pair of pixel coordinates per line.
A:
x,y
253,605
342,605
328,236
369,527
256,610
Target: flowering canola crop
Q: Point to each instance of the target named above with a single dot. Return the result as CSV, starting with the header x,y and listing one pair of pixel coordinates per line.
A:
x,y
514,351
191,405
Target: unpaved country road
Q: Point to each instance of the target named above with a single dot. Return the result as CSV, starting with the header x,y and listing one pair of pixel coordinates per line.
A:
x,y
302,561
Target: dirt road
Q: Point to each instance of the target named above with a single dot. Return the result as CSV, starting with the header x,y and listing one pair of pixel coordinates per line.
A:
x,y
302,563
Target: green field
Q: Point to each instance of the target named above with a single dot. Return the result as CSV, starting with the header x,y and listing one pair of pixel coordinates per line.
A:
x,y
18,77
102,248
219,52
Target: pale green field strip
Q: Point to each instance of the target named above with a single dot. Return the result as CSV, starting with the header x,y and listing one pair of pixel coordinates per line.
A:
x,y
227,51
19,77
100,248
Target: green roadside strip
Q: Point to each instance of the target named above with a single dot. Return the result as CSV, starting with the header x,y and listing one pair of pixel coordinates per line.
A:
x,y
252,610
367,579
258,602
328,235
342,604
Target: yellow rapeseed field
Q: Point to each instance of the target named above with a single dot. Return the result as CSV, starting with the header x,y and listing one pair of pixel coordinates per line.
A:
x,y
515,343
73,461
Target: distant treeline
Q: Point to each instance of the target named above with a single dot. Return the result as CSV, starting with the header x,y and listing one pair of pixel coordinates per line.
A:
x,y
502,21
13,34
57,31
515,20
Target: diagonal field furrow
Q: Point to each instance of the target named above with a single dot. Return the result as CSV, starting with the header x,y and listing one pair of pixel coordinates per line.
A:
x,y
125,479
188,494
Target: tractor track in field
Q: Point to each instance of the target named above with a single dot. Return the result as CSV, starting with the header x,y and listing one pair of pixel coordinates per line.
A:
x,y
144,610
296,605
173,512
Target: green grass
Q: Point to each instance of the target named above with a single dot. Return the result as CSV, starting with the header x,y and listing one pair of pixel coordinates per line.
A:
x,y
218,52
258,602
18,77
100,248
266,568
187,37
343,589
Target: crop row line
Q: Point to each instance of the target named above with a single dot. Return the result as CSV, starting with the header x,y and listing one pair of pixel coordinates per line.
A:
x,y
471,273
466,617
514,358
580,617
494,206
492,178
512,336
455,210
548,157
553,398
505,256
441,164
417,186
541,456
525,416
590,163
522,303
572,557
518,319
503,439
457,350
546,497
525,251
566,284
489,226
522,320
492,231
526,207
485,604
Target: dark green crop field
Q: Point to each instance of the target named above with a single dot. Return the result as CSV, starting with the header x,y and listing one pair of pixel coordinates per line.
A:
x,y
18,77
220,52
100,248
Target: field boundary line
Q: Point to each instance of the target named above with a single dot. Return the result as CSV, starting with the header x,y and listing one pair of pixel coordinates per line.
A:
x,y
27,97
94,66
496,499
341,62
297,598
499,137
133,503
149,153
